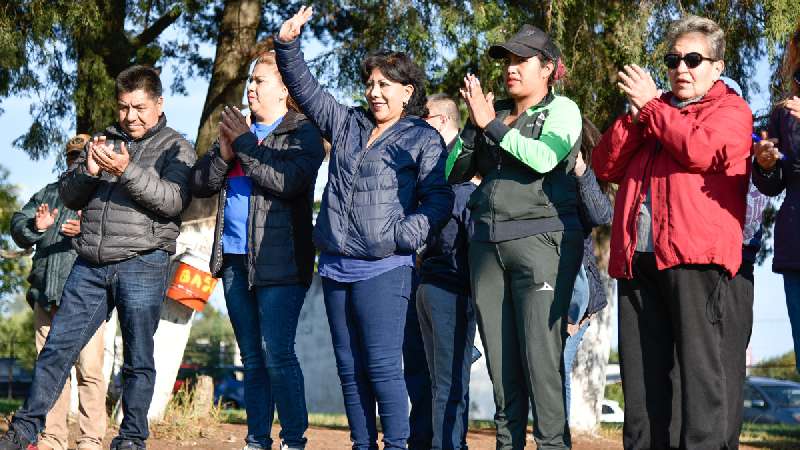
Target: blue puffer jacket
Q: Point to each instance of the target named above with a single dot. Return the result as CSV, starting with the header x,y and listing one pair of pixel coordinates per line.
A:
x,y
380,200
784,177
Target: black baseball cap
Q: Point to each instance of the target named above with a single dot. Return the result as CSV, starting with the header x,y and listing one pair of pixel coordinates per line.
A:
x,y
527,42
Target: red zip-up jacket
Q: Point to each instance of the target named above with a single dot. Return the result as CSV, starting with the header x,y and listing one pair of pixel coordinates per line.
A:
x,y
696,163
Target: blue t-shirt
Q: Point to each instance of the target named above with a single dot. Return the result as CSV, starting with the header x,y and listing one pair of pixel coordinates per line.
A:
x,y
345,269
237,199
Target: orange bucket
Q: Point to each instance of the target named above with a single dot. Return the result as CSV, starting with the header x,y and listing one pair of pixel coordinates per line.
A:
x,y
191,286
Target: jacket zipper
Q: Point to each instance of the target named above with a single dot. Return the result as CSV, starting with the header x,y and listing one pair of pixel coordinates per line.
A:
x,y
356,176
648,175
105,209
220,225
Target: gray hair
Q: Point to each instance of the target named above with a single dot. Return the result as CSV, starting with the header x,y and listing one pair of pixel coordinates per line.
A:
x,y
695,24
447,106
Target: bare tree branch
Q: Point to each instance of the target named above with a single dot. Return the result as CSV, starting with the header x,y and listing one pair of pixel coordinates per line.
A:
x,y
151,33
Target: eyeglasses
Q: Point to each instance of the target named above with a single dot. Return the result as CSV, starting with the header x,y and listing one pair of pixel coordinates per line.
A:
x,y
693,59
796,76
432,116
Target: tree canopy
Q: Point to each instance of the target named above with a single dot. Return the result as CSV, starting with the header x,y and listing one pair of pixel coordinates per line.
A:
x,y
67,53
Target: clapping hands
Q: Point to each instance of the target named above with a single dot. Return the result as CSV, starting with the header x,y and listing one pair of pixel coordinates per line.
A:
x,y
639,86
101,156
480,106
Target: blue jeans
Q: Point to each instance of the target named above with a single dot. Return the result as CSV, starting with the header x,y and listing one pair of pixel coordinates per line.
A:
x,y
136,288
447,321
418,380
265,324
791,286
367,319
577,308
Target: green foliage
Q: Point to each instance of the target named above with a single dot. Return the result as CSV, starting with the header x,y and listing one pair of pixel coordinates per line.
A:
x,y
14,266
773,436
450,38
614,392
17,338
66,54
211,340
781,367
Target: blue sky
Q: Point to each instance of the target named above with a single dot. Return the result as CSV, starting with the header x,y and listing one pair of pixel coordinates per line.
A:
x,y
771,330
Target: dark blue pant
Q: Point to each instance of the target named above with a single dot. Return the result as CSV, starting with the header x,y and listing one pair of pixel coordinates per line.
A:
x,y
136,288
791,286
418,382
265,323
367,319
447,321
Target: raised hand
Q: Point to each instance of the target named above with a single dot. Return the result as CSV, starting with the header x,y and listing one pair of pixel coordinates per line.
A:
x,y
793,105
111,162
480,106
638,85
44,218
290,29
766,151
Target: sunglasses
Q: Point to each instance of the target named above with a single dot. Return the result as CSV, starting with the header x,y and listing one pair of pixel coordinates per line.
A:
x,y
693,59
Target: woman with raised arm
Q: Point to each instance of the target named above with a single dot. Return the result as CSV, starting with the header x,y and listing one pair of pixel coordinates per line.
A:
x,y
527,244
386,192
265,174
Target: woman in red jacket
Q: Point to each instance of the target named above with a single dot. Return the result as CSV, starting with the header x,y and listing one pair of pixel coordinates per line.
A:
x,y
681,162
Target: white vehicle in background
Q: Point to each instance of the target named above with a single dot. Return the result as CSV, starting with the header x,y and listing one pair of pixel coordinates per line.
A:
x,y
611,412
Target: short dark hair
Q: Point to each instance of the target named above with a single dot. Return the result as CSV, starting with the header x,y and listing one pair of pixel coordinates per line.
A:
x,y
139,77
398,67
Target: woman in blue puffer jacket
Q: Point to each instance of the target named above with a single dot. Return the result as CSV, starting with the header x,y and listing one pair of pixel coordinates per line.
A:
x,y
386,192
776,169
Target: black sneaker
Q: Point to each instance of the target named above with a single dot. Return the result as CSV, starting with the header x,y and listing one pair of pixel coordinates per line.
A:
x,y
124,445
13,441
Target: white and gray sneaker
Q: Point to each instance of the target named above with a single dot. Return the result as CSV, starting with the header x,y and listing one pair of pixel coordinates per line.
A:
x,y
253,447
286,447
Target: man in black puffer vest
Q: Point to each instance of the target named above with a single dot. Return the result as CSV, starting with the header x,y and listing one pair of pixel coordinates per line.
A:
x,y
132,183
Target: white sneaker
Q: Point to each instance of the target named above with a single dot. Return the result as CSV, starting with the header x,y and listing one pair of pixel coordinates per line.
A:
x,y
253,447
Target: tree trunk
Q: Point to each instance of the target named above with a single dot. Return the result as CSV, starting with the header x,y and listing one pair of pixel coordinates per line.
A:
x,y
236,47
589,370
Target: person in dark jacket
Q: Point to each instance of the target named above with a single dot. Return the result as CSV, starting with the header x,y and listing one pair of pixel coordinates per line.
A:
x,y
681,159
265,176
589,294
443,303
527,242
44,222
776,169
386,193
131,184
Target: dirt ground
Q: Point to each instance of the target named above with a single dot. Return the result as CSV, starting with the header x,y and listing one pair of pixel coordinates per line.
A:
x,y
230,437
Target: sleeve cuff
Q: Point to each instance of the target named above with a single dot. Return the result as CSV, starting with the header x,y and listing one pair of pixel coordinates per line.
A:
x,y
468,135
647,110
279,44
244,142
496,130
586,178
767,173
131,172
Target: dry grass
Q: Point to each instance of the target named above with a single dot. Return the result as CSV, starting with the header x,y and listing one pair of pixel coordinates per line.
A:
x,y
184,418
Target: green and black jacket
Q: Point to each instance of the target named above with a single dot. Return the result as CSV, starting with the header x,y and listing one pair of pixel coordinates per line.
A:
x,y
528,185
54,254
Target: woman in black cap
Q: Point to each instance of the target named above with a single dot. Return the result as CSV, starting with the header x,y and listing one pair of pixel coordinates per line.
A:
x,y
527,243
